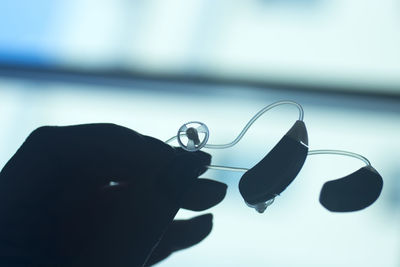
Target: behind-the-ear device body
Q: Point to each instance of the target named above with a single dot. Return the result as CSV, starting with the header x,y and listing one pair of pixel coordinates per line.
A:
x,y
276,171
353,192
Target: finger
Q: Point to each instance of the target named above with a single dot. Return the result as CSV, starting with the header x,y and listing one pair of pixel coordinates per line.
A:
x,y
204,194
178,177
180,235
201,154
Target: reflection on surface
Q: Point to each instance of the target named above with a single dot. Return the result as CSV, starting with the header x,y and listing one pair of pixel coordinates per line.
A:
x,y
296,230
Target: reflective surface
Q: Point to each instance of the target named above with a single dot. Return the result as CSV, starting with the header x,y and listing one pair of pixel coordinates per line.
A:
x,y
296,230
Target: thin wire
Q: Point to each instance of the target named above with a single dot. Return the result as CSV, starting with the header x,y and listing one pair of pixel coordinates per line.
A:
x,y
340,152
310,153
251,121
171,139
226,168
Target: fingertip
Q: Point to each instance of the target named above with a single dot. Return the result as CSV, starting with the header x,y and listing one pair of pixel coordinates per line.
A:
x,y
204,194
182,234
203,224
198,228
208,217
192,163
202,156
205,157
189,164
181,175
220,186
204,160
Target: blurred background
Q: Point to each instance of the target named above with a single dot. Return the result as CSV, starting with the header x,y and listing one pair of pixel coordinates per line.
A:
x,y
153,65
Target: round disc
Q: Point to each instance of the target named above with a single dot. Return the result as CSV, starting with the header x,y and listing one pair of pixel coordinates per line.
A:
x,y
193,136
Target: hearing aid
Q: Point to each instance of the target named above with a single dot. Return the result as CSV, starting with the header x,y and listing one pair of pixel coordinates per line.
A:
x,y
261,184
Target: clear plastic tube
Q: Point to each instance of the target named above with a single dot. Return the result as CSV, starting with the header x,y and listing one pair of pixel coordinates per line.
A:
x,y
340,152
250,123
253,119
171,139
311,152
227,168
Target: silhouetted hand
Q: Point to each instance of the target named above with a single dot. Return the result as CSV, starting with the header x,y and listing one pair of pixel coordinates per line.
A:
x,y
101,195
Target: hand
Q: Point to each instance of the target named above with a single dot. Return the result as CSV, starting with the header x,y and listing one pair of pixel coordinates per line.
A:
x,y
101,195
